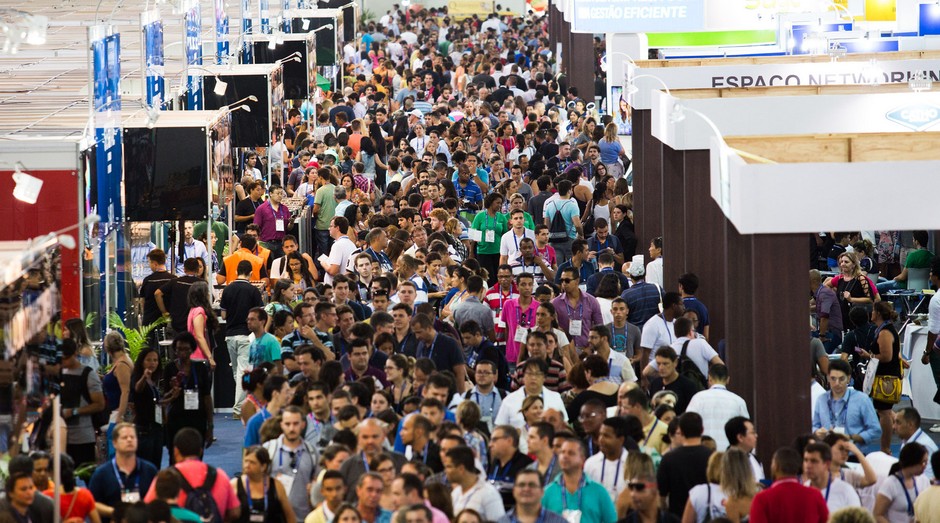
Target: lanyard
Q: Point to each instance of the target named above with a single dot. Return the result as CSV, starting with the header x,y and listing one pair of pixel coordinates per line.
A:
x,y
295,456
516,239
401,346
910,504
365,462
520,316
617,472
915,436
515,519
430,353
613,333
264,482
650,435
117,474
192,374
844,413
549,470
828,486
571,311
666,323
497,468
424,453
590,447
564,492
492,404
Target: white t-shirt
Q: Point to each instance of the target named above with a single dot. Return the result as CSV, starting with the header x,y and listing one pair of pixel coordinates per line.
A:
x,y
717,405
699,351
654,271
342,250
892,489
656,333
482,497
608,473
840,495
620,368
698,496
509,243
933,317
509,409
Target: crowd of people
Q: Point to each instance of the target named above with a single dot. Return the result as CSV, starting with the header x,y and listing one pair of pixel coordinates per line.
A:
x,y
473,336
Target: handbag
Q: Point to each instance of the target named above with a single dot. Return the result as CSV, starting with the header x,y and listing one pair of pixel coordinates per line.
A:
x,y
887,389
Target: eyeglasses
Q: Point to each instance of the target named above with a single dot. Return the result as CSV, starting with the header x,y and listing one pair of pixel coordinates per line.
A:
x,y
528,485
566,280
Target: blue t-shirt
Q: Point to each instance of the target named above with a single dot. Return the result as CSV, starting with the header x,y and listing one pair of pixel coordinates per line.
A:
x,y
569,210
107,482
264,349
610,151
692,304
253,428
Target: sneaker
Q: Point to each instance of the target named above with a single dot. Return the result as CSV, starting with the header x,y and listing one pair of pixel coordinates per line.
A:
x,y
935,428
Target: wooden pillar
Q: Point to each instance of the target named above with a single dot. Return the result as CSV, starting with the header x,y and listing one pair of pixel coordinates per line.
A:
x,y
650,221
674,201
579,63
768,352
641,133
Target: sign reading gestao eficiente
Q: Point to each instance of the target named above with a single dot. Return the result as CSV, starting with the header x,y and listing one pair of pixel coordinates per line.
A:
x,y
636,16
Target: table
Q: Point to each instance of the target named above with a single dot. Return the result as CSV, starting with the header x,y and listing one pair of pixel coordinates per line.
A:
x,y
918,379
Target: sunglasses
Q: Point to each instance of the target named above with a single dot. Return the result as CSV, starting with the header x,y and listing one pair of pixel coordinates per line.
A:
x,y
566,280
637,487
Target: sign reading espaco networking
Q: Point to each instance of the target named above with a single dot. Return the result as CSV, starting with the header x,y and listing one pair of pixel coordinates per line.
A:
x,y
637,16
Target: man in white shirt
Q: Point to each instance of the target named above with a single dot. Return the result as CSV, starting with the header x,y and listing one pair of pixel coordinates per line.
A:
x,y
696,349
509,243
533,379
931,355
607,466
741,433
659,330
471,490
907,427
717,405
340,253
838,494
619,366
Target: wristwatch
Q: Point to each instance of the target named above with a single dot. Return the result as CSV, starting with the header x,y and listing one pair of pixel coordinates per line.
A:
x,y
74,412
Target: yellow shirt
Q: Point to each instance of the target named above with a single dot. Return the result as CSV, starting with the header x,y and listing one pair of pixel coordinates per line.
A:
x,y
655,439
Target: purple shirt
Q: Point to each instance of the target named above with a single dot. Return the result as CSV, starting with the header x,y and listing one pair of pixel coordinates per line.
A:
x,y
370,372
266,219
587,310
827,306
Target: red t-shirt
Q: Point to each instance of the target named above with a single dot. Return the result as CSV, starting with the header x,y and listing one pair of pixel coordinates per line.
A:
x,y
84,504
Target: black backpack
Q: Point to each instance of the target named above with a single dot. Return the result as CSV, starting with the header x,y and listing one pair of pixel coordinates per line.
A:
x,y
557,229
690,370
200,500
101,418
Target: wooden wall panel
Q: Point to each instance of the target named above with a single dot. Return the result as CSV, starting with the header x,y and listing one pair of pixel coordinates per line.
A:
x,y
652,194
674,209
641,133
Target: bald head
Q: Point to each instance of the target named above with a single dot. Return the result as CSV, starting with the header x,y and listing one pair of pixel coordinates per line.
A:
x,y
371,434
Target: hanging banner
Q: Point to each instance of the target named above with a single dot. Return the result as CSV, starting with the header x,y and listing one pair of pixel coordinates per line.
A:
x,y
264,9
246,30
637,16
152,34
192,24
285,20
221,33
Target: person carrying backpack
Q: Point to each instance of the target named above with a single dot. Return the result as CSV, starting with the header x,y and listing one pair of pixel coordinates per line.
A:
x,y
82,398
206,490
695,354
562,216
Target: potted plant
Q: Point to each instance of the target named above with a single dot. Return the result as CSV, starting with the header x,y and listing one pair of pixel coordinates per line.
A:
x,y
136,338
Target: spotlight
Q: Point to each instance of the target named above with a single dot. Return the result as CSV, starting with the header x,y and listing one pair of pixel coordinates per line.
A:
x,y
305,24
27,186
220,87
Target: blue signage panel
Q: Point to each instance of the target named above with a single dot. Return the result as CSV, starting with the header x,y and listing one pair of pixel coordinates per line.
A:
x,y
637,16
285,21
192,23
246,30
153,62
221,32
807,39
929,23
264,9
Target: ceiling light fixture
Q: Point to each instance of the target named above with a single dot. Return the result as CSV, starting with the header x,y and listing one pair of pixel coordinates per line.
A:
x,y
27,186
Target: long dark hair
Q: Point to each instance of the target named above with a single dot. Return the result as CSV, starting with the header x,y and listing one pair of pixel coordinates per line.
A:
x,y
199,297
304,271
139,366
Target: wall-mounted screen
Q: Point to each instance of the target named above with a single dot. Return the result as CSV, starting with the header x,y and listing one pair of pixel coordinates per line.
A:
x,y
620,110
295,73
248,129
166,174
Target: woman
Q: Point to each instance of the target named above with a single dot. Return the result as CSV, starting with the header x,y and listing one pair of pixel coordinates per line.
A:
x,y
898,492
869,266
202,323
738,484
469,415
381,401
397,369
851,286
385,467
331,373
887,350
395,248
262,497
612,151
282,296
454,230
186,391
601,203
75,329
77,503
435,276
439,496
253,383
148,410
298,273
607,289
596,370
468,515
546,320
578,382
531,410
706,501
492,225
353,193
458,293
665,413
506,137
116,384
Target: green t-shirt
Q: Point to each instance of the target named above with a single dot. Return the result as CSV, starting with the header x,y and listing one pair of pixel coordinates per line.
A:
x,y
264,349
483,222
919,259
184,515
327,202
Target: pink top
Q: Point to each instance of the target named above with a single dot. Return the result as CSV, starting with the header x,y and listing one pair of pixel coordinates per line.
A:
x,y
513,316
193,313
871,285
195,473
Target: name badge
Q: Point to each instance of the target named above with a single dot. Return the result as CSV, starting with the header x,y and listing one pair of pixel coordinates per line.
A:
x,y
158,414
839,430
190,400
498,320
490,236
571,516
287,481
521,334
279,225
130,496
256,517
475,235
574,327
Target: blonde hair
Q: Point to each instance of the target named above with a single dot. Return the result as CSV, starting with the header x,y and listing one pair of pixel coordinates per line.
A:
x,y
737,476
854,259
451,225
610,132
713,472
639,465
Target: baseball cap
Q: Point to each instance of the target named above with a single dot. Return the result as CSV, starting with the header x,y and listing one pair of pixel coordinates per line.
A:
x,y
416,112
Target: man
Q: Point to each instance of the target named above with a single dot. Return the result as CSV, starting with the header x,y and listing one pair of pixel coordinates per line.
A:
x,y
537,346
326,316
442,350
688,286
505,460
533,384
845,410
577,311
478,349
370,437
536,205
41,467
574,493
580,261
167,486
238,298
684,467
342,290
123,479
518,316
187,452
828,310
305,319
817,460
571,219
644,498
172,298
342,249
228,271
345,319
245,210
504,289
742,435
469,194
378,241
309,360
320,421
484,393
786,501
560,162
359,367
695,348
20,497
509,243
157,278
605,267
265,347
416,433
660,330
369,493
625,336
592,416
527,494
81,398
333,490
907,427
293,460
471,490
842,447
405,339
192,248
407,293
717,405
473,310
26,498
544,250
668,378
276,393
919,258
273,219
931,355
540,439
407,493
619,367
607,466
636,402
643,298
528,263
602,241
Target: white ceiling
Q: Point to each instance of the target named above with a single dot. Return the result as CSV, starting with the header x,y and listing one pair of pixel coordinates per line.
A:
x,y
44,88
